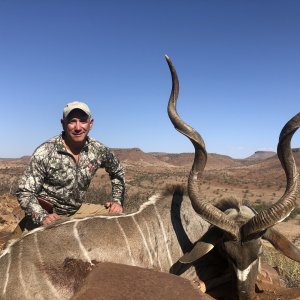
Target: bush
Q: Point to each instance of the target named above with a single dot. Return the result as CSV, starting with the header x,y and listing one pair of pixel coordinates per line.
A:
x,y
260,206
97,195
133,202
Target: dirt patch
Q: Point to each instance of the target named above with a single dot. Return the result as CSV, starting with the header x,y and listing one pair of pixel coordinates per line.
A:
x,y
10,214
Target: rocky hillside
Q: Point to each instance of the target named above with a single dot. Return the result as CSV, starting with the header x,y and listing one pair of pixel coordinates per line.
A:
x,y
261,155
135,156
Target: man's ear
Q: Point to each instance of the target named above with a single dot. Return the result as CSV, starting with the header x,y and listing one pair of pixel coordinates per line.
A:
x,y
62,123
91,123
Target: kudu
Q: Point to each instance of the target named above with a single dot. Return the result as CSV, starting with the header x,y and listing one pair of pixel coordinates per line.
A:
x,y
236,229
168,233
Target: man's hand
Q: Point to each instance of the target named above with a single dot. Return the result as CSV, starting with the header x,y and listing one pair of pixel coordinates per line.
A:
x,y
51,218
114,207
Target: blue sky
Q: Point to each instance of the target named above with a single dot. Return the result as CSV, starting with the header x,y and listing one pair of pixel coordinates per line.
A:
x,y
238,64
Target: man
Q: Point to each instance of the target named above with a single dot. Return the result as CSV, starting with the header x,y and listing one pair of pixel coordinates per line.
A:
x,y
61,169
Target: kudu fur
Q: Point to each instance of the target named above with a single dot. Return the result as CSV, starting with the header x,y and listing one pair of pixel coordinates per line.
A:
x,y
168,233
45,263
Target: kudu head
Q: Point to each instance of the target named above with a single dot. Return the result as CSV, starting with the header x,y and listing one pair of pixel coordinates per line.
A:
x,y
236,229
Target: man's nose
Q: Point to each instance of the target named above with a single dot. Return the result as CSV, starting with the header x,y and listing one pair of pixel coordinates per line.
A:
x,y
78,125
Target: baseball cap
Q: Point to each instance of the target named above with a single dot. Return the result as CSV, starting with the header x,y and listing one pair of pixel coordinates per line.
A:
x,y
76,105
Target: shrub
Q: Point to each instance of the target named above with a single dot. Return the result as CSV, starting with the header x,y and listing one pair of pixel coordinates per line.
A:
x,y
293,214
133,202
289,270
259,205
97,195
2,221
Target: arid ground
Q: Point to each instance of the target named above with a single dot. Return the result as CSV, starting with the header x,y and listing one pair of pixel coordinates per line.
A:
x,y
258,180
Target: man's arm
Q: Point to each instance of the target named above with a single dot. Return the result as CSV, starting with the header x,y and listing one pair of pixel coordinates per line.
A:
x,y
29,187
117,177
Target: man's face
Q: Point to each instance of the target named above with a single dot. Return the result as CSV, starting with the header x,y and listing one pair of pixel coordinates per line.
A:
x,y
77,126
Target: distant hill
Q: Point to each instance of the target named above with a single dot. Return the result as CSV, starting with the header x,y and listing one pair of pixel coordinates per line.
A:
x,y
136,156
23,159
261,155
175,159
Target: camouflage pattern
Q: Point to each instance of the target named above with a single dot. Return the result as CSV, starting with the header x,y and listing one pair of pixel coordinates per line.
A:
x,y
53,173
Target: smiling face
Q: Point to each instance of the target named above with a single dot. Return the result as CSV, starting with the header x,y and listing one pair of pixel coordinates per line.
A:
x,y
76,128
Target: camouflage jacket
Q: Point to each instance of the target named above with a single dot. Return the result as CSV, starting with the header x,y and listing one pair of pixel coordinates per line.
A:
x,y
53,174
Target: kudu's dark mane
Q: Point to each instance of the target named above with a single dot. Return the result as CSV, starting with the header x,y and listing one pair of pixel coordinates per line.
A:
x,y
222,204
174,189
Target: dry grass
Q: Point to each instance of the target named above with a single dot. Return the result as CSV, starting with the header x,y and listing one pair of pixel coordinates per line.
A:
x,y
288,269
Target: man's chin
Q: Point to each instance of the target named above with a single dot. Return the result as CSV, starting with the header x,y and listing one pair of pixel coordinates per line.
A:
x,y
78,139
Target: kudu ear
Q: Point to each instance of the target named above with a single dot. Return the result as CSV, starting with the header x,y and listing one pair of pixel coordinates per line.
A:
x,y
282,244
203,246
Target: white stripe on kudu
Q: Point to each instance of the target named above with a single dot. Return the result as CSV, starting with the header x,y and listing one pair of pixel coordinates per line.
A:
x,y
7,274
161,224
144,240
126,241
20,270
152,246
82,248
40,258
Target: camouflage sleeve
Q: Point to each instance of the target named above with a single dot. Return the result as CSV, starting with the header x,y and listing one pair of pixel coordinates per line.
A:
x,y
117,176
29,187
